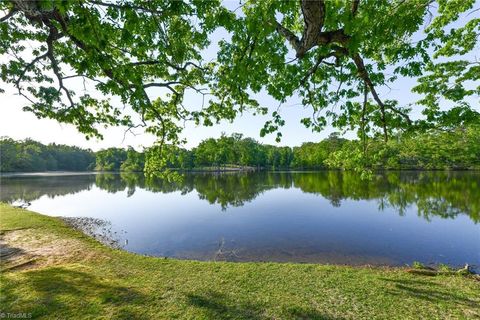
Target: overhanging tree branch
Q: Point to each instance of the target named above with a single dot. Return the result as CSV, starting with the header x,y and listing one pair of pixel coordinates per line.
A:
x,y
126,6
316,65
363,73
10,14
354,7
289,35
314,17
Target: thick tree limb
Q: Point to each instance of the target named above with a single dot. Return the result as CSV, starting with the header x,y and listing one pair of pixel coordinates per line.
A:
x,y
313,12
354,7
289,35
8,15
301,47
314,17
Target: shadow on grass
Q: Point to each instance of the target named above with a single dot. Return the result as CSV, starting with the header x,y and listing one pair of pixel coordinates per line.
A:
x,y
13,258
60,292
220,306
428,291
8,253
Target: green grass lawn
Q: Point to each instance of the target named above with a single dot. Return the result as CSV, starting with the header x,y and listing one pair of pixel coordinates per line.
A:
x,y
57,272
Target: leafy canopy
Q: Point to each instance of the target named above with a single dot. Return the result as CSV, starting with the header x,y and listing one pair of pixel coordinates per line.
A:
x,y
138,60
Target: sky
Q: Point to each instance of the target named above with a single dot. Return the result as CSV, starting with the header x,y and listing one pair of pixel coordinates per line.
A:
x,y
17,124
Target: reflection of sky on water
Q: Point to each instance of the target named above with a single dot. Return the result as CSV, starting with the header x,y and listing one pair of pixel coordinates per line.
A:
x,y
276,224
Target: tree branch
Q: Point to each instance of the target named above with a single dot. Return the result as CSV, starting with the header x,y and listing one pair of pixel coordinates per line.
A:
x,y
28,66
401,113
168,63
289,35
125,6
8,15
313,12
161,84
55,67
354,7
314,16
82,76
315,66
364,111
363,73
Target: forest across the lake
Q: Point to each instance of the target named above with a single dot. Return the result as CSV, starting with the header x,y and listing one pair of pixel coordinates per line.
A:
x,y
458,148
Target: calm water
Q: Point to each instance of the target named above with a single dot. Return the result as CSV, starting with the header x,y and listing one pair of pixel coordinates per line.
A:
x,y
326,217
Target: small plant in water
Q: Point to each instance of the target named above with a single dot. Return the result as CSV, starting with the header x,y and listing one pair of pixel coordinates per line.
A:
x,y
418,265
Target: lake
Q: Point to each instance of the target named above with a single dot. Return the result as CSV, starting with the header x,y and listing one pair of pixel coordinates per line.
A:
x,y
321,217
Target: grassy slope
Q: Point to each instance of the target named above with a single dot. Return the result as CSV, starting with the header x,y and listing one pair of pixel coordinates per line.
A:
x,y
99,282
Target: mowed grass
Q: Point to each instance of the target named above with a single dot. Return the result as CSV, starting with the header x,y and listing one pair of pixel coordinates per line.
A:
x,y
93,281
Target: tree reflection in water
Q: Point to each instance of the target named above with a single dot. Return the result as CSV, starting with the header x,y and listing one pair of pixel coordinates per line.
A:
x,y
442,194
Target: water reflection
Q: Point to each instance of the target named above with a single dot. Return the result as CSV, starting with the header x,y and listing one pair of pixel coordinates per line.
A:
x,y
440,194
26,188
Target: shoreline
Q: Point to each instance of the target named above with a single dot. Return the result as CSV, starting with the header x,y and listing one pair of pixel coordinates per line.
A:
x,y
213,170
100,230
57,266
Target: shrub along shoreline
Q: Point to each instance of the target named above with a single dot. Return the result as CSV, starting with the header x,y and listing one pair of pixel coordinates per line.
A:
x,y
50,270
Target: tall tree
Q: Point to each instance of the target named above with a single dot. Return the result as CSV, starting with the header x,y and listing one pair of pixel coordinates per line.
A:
x,y
344,54
123,49
338,56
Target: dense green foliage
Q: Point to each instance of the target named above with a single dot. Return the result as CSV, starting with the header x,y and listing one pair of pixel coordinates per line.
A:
x,y
29,155
118,159
135,161
110,159
118,284
312,155
33,156
240,151
338,57
226,153
458,148
455,149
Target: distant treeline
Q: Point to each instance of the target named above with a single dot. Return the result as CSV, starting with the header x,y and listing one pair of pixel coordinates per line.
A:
x,y
29,156
458,148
